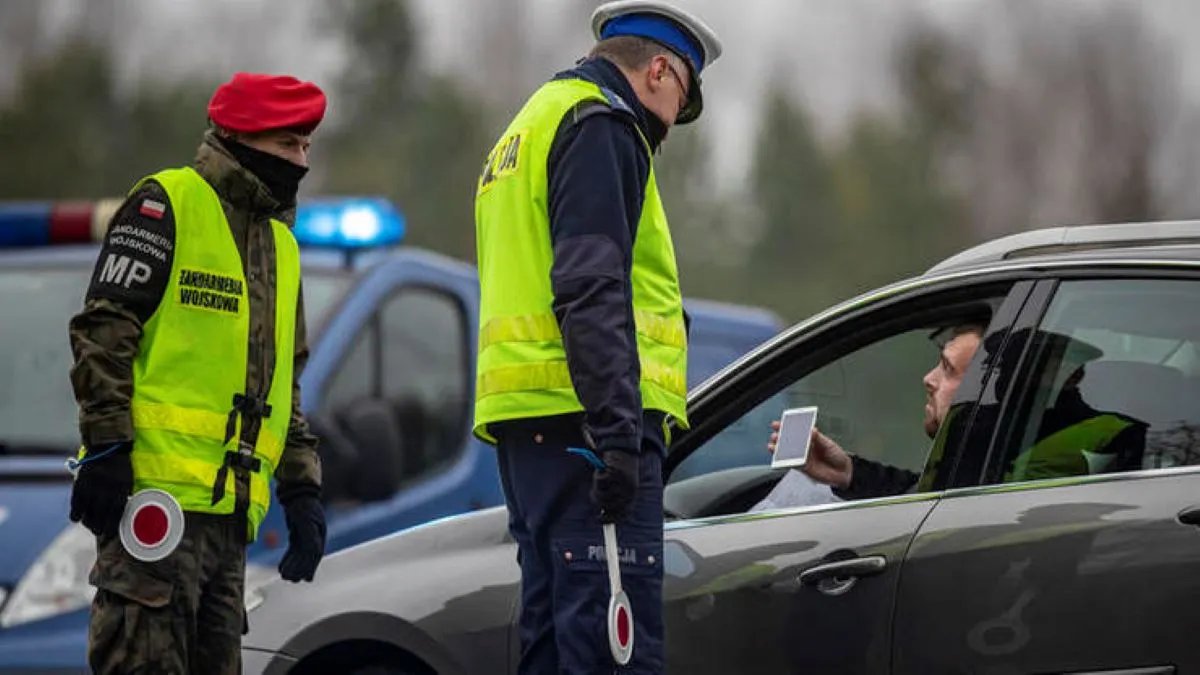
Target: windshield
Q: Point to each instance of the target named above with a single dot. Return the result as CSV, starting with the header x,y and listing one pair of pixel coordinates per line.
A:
x,y
37,407
322,291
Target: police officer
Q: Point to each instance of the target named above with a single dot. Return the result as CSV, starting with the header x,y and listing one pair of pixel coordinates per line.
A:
x,y
582,340
188,354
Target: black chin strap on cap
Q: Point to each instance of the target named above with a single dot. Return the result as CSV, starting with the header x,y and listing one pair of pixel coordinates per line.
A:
x,y
695,100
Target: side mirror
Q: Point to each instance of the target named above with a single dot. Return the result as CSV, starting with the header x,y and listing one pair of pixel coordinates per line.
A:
x,y
376,435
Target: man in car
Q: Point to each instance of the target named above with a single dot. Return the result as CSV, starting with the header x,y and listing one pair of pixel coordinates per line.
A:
x,y
188,353
854,477
1073,438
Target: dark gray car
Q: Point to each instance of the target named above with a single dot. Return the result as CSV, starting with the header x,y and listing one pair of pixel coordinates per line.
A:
x,y
1088,564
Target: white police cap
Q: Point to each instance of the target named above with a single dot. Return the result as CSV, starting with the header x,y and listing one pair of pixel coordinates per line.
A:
x,y
697,29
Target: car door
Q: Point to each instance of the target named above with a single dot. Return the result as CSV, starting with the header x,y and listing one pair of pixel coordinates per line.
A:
x,y
392,407
763,579
1079,551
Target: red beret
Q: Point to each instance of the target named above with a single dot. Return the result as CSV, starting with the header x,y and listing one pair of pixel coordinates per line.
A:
x,y
252,102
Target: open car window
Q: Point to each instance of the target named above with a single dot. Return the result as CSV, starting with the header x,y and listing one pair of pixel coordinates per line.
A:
x,y
868,389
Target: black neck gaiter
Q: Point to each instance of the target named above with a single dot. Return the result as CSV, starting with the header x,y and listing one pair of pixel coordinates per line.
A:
x,y
280,176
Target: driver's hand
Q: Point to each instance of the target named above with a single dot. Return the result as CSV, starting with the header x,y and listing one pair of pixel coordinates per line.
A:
x,y
827,462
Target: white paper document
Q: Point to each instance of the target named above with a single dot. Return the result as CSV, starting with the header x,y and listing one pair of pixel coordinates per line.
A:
x,y
796,489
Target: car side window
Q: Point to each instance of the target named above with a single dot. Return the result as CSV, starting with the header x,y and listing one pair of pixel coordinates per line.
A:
x,y
355,378
1109,382
396,408
425,375
870,401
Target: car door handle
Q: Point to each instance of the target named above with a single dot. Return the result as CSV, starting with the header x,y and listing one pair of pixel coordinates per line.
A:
x,y
1190,516
844,569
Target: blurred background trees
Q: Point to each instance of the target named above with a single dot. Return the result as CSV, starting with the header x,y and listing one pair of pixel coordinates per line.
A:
x,y
1009,116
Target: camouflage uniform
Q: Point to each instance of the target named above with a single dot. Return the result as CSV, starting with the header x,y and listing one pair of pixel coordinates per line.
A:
x,y
184,613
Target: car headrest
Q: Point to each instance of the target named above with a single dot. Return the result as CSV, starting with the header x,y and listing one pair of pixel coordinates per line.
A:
x,y
1156,394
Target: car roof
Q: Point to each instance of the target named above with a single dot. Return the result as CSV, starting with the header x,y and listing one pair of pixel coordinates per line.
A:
x,y
1168,240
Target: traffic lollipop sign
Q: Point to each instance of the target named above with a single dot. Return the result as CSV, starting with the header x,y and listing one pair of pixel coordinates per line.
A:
x,y
620,616
152,525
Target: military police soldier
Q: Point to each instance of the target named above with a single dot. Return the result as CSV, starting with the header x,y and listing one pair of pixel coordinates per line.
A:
x,y
583,341
188,354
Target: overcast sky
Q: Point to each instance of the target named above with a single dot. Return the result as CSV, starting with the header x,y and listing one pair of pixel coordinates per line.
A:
x,y
833,54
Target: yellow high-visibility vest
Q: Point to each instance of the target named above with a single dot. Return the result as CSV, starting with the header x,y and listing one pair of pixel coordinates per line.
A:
x,y
522,366
193,354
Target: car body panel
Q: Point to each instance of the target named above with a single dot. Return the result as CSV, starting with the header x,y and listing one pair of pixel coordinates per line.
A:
x,y
255,661
718,572
35,492
57,644
22,509
461,580
744,571
1017,577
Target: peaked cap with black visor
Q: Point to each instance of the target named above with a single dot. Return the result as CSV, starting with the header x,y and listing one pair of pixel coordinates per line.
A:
x,y
686,36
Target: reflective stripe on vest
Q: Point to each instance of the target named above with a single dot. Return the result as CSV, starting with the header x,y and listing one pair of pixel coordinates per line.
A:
x,y
555,375
544,327
522,370
202,423
192,359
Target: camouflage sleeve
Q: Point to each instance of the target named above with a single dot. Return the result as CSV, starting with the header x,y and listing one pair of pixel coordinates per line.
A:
x,y
300,466
129,280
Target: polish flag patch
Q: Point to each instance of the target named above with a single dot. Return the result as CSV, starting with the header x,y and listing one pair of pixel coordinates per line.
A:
x,y
152,209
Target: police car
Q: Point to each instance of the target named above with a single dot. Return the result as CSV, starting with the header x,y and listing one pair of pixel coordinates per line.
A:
x,y
982,566
388,389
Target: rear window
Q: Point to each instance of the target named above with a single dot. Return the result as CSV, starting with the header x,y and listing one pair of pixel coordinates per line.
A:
x,y
37,406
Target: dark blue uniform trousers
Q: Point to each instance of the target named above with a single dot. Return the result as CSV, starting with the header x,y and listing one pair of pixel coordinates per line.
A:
x,y
564,577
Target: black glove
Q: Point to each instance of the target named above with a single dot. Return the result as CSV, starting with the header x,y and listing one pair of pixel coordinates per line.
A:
x,y
102,487
615,486
306,535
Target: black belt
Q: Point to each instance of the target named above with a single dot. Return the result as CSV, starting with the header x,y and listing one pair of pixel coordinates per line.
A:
x,y
247,407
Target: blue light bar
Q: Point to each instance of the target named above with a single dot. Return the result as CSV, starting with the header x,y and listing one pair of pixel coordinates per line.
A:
x,y
350,222
25,224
